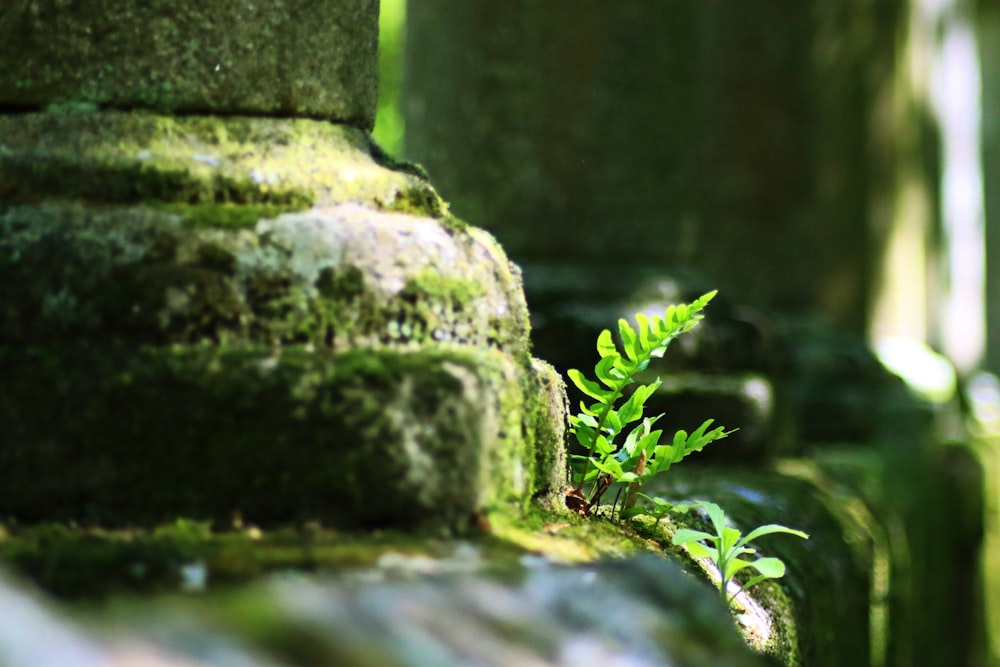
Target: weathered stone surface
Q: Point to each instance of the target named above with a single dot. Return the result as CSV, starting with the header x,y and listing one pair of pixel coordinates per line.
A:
x,y
128,158
551,475
363,438
257,316
290,58
334,278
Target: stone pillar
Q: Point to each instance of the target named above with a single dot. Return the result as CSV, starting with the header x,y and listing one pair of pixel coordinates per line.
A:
x,y
302,58
736,141
219,298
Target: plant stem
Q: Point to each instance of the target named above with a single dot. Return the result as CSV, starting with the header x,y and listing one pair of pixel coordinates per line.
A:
x,y
597,432
722,584
633,488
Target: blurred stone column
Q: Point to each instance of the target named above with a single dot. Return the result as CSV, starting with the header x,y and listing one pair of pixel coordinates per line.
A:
x,y
989,45
737,140
634,153
301,58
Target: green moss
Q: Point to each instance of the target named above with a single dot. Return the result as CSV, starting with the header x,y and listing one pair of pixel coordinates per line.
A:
x,y
346,283
429,285
68,107
565,537
228,215
87,562
215,257
187,302
115,157
134,183
419,201
456,225
95,563
546,410
81,563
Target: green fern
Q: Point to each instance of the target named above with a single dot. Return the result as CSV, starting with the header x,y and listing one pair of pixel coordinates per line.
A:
x,y
598,426
727,546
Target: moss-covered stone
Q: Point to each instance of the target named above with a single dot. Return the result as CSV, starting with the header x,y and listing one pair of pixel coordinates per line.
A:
x,y
108,434
333,278
224,216
548,423
128,158
78,563
296,58
185,280
927,507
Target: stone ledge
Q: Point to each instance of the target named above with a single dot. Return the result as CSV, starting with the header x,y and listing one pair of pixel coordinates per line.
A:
x,y
131,158
362,439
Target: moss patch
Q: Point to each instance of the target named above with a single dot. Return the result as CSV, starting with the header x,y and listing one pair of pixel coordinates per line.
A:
x,y
447,291
566,537
128,158
79,562
419,201
227,215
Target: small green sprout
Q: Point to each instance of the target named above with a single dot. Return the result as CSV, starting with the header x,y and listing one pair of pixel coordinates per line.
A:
x,y
727,545
640,456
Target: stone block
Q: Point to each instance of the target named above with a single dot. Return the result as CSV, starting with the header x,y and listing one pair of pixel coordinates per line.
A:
x,y
304,58
365,438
